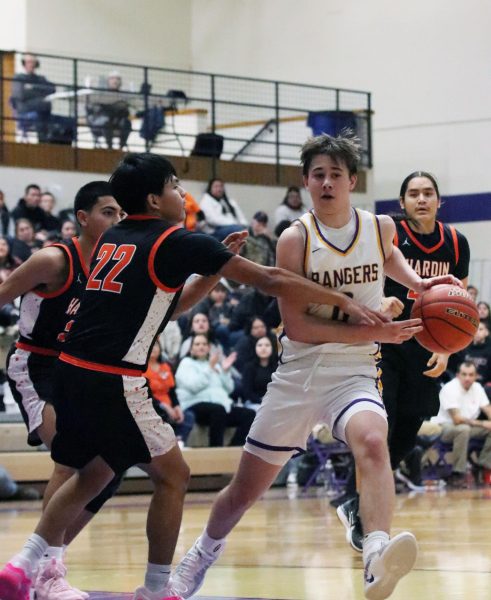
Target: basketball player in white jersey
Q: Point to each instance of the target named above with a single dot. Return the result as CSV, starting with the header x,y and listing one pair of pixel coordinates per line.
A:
x,y
327,369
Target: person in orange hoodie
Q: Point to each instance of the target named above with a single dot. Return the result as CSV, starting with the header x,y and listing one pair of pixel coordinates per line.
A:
x,y
194,214
163,390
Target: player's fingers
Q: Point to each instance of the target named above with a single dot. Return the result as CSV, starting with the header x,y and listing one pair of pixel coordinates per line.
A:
x,y
411,323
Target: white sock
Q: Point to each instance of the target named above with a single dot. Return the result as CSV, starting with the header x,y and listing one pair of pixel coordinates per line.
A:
x,y
53,552
210,545
372,542
157,576
30,555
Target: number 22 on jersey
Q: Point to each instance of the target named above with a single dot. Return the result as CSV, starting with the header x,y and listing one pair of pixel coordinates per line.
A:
x,y
122,256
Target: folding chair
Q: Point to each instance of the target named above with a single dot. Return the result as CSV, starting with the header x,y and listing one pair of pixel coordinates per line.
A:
x,y
336,454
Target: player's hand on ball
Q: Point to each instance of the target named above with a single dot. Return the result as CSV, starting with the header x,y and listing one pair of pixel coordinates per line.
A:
x,y
438,362
426,284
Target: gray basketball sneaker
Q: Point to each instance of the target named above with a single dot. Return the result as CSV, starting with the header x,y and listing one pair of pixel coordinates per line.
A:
x,y
190,573
385,568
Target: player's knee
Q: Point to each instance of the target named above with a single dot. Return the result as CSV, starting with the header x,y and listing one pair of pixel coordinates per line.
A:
x,y
373,447
175,479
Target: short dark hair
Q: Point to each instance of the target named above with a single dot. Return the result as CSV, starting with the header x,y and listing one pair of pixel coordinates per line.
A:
x,y
32,186
138,175
406,181
343,148
468,364
88,195
261,217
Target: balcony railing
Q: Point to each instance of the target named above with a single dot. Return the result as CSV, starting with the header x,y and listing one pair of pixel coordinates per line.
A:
x,y
179,112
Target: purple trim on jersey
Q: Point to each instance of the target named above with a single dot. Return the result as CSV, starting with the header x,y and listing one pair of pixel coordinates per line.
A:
x,y
380,238
305,245
355,236
346,408
249,440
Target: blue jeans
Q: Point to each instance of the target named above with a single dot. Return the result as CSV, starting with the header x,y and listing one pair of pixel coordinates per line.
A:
x,y
221,232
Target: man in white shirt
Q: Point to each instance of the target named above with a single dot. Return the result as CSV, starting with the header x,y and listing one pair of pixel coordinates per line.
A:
x,y
461,402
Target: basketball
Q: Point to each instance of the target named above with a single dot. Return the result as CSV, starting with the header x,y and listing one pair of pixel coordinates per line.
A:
x,y
450,318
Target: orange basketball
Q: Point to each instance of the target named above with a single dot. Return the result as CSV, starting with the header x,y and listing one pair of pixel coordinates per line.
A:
x,y
450,318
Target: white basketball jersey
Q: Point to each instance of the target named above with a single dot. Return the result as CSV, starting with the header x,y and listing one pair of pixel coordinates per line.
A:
x,y
349,260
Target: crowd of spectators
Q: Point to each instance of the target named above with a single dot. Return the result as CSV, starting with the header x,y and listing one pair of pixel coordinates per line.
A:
x,y
213,365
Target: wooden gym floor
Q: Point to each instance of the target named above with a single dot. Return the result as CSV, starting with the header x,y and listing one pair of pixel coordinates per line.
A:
x,y
289,546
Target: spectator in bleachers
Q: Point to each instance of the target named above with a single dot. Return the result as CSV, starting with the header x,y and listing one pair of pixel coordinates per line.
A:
x,y
108,114
11,490
47,203
201,324
292,206
25,243
28,207
461,402
28,98
218,308
4,216
204,384
162,386
484,313
68,230
260,246
170,341
246,347
479,352
257,373
194,215
253,302
473,292
280,228
7,261
67,214
222,214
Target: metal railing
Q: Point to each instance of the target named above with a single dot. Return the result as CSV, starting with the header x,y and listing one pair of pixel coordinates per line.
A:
x,y
256,120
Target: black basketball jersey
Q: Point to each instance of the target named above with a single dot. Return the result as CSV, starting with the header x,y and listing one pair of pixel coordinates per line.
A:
x,y
43,315
444,251
137,273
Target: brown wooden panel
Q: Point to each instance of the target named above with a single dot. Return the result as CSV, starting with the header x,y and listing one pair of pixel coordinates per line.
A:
x,y
8,69
195,168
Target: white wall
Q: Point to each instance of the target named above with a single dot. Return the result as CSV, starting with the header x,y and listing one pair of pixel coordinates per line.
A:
x,y
426,62
152,32
12,19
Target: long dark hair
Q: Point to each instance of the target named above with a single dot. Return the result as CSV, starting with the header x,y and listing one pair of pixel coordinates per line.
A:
x,y
405,184
406,181
224,197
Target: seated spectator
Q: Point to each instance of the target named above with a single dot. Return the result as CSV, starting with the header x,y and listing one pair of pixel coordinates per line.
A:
x,y
108,114
25,243
194,215
170,341
484,313
68,230
28,207
162,386
28,98
67,214
201,324
292,206
10,490
7,262
246,347
47,203
257,373
218,308
478,352
253,302
4,216
204,385
222,214
260,246
461,403
473,292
